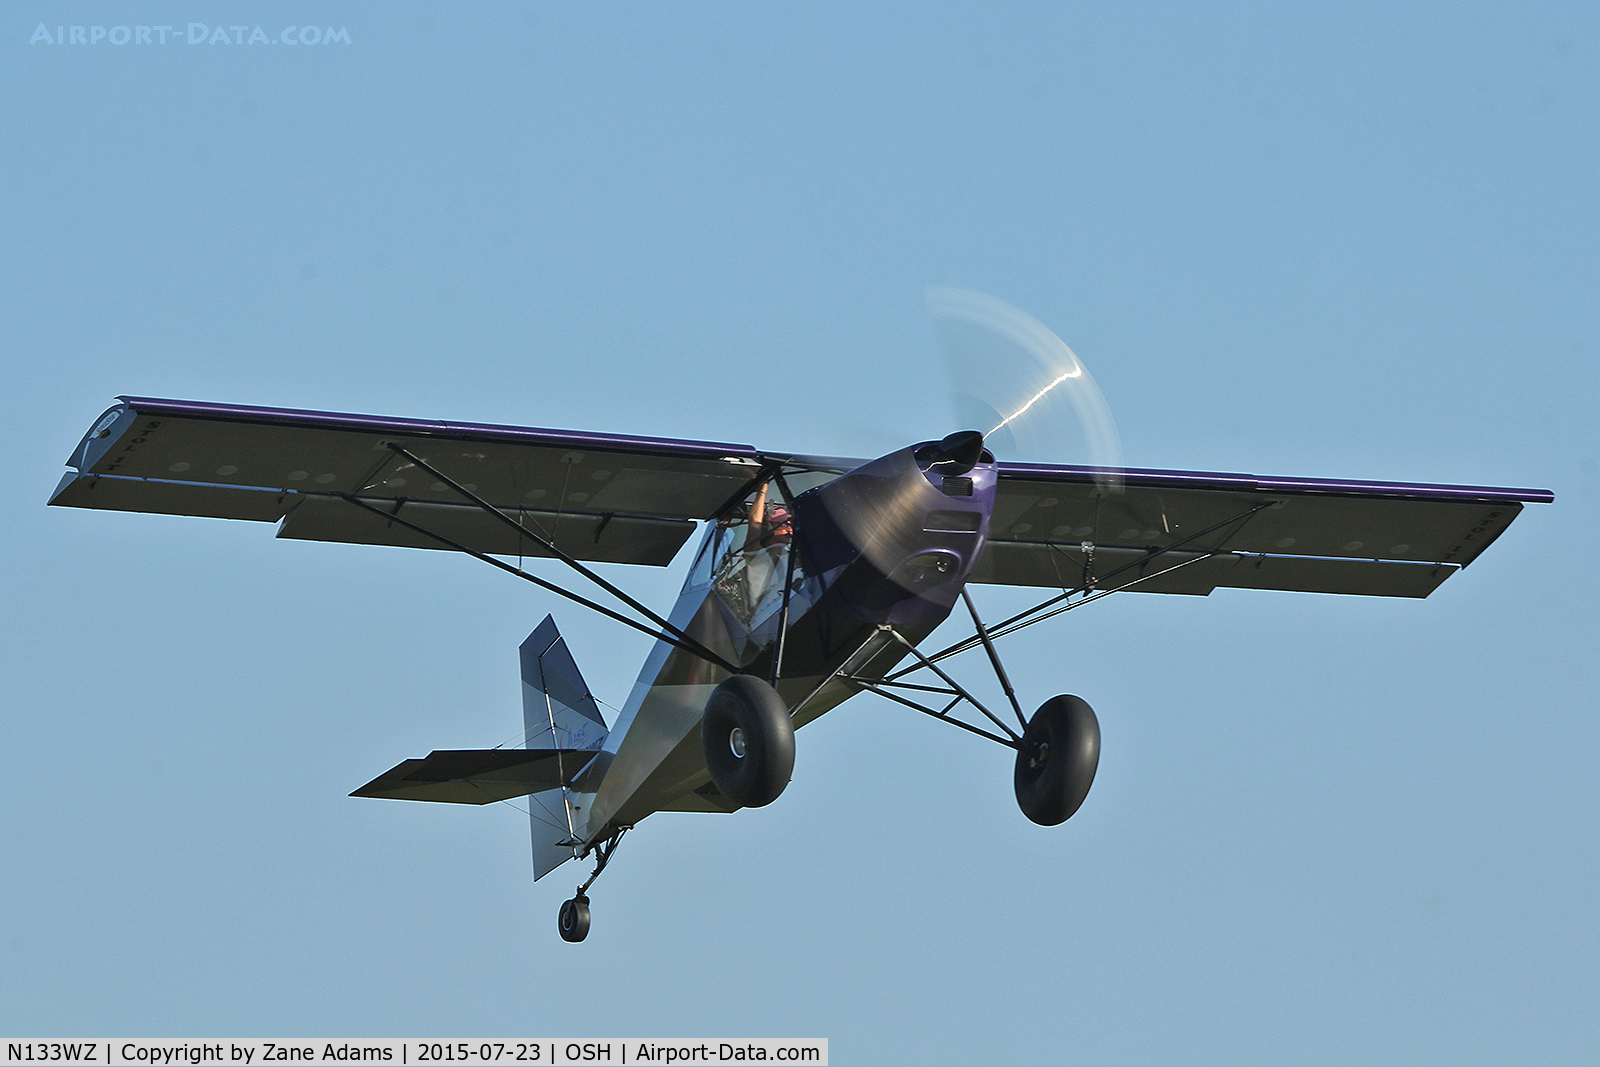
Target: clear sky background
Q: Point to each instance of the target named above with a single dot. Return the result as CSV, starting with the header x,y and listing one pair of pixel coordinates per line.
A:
x,y
1345,241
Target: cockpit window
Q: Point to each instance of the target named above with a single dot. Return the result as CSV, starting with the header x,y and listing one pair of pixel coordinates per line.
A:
x,y
752,555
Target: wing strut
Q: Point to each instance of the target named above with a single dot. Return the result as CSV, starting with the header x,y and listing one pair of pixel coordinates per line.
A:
x,y
684,641
695,649
850,670
1031,615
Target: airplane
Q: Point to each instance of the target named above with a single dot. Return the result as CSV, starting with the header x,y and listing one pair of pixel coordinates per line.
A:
x,y
815,578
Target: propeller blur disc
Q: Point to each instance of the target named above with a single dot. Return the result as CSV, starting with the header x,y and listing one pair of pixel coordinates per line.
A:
x,y
1018,384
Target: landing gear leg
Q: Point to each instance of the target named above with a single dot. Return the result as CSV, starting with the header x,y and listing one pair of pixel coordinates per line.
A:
x,y
573,921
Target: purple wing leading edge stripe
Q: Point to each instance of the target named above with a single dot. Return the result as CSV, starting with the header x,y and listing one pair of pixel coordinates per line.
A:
x,y
666,446
333,420
1167,479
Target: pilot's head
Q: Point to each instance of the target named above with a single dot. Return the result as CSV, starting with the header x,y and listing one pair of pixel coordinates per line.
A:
x,y
780,525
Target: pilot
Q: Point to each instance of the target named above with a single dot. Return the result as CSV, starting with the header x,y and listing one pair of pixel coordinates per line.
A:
x,y
766,546
770,525
778,529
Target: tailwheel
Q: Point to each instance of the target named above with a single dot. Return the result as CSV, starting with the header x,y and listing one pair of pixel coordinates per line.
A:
x,y
575,918
748,741
1056,760
574,922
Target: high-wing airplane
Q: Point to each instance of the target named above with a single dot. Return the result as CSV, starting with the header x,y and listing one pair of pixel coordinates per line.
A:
x,y
815,578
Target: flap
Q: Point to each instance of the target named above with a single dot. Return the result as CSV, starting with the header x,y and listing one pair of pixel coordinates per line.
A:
x,y
602,538
1195,573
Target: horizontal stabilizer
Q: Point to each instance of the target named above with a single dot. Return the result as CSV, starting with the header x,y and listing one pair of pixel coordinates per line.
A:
x,y
477,776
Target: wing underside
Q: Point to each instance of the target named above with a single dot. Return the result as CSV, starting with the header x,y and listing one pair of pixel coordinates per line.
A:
x,y
1192,532
595,496
334,477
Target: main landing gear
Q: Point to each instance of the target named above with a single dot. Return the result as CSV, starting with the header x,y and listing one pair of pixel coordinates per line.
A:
x,y
1056,760
1058,749
748,741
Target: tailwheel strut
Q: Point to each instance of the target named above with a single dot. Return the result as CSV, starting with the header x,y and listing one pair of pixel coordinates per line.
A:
x,y
573,919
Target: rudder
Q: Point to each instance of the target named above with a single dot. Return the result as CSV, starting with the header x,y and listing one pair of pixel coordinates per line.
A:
x,y
558,712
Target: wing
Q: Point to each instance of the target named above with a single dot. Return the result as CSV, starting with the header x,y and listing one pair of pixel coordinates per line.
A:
x,y
596,496
1190,531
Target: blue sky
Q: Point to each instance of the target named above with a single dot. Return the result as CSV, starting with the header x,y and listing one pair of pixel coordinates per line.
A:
x,y
1338,241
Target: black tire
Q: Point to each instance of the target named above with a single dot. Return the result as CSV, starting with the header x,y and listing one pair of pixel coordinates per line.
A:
x,y
748,740
1056,764
575,919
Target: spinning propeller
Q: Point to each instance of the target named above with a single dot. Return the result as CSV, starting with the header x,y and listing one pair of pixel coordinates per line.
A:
x,y
1020,385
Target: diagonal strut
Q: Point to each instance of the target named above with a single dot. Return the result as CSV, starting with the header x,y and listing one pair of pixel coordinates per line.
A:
x,y
695,648
683,639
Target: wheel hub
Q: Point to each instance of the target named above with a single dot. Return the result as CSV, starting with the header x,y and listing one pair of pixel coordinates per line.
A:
x,y
736,742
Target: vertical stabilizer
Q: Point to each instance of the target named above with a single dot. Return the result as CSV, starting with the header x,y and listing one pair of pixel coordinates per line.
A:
x,y
558,712
557,708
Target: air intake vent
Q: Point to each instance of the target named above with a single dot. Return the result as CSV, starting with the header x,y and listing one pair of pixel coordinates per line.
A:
x,y
958,487
952,522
